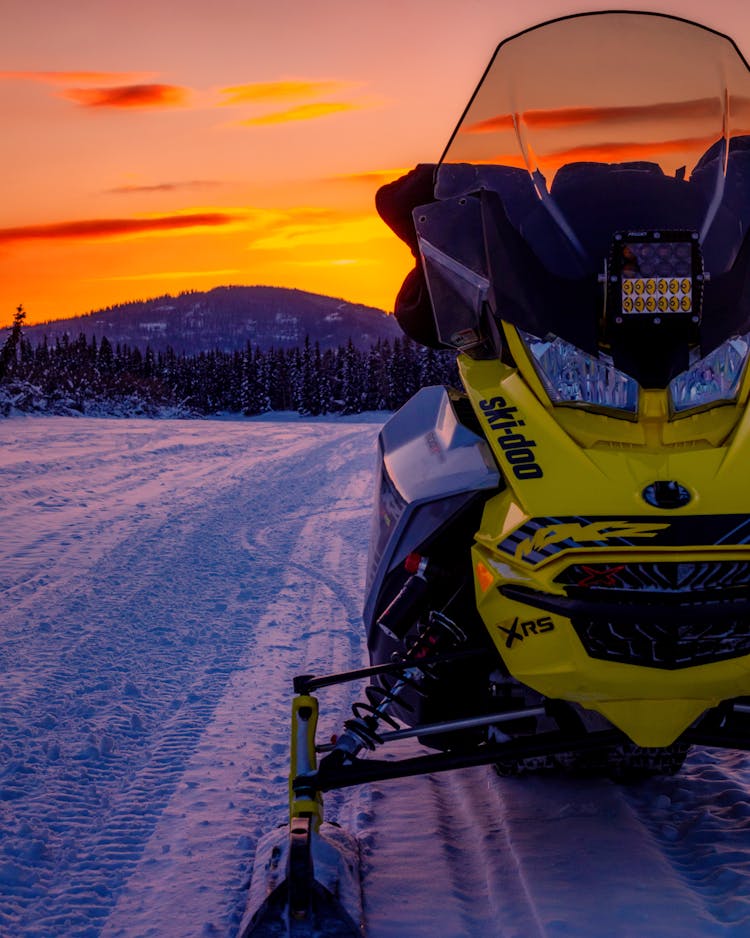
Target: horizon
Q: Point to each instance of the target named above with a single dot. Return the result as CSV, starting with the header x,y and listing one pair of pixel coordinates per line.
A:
x,y
148,154
176,294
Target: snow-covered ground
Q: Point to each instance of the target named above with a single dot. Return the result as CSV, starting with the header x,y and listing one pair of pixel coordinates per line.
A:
x,y
162,581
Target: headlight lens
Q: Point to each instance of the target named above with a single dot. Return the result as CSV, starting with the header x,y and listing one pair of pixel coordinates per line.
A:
x,y
712,379
571,376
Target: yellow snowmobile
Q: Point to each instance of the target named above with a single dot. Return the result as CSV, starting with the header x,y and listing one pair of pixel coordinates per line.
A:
x,y
559,572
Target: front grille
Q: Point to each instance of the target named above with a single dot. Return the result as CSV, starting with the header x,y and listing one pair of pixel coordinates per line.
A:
x,y
680,638
659,575
668,646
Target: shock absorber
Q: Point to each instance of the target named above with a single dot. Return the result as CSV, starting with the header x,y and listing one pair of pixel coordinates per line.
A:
x,y
410,603
436,635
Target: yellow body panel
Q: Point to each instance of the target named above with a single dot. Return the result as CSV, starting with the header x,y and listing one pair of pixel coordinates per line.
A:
x,y
580,476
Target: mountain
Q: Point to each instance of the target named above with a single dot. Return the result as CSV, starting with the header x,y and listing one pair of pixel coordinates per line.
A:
x,y
226,318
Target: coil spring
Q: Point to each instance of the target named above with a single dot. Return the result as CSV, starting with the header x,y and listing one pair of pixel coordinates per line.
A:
x,y
439,630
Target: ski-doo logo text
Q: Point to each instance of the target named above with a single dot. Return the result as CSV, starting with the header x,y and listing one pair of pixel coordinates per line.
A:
x,y
521,630
518,450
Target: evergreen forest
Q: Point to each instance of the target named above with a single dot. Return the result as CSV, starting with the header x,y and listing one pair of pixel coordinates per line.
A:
x,y
83,376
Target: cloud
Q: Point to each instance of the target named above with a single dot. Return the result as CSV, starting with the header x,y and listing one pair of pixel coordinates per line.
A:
x,y
662,111
615,152
165,187
128,96
621,152
95,228
264,229
80,77
546,118
283,90
304,112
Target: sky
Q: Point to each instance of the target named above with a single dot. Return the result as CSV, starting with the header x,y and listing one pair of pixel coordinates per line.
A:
x,y
153,147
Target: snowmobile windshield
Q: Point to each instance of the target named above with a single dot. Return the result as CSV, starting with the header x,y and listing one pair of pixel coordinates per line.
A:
x,y
599,147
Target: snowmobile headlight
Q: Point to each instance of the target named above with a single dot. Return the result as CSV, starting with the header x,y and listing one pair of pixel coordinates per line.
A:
x,y
571,376
714,378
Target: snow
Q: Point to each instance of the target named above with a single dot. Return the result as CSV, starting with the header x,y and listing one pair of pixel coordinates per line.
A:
x,y
163,580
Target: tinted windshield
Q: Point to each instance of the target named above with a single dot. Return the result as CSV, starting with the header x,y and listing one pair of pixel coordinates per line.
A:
x,y
606,121
583,128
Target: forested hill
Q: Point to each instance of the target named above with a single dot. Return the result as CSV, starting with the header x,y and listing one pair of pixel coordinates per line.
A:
x,y
92,377
226,319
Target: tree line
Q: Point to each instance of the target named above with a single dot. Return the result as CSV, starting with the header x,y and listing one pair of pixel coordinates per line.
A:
x,y
86,376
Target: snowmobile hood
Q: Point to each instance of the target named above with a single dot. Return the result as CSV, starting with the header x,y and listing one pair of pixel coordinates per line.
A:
x,y
597,187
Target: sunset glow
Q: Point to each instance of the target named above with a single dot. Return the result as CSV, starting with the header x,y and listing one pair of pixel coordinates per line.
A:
x,y
111,227
128,96
282,90
544,119
302,112
680,151
147,152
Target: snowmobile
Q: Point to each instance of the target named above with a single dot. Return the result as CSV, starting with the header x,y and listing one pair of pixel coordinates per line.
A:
x,y
559,568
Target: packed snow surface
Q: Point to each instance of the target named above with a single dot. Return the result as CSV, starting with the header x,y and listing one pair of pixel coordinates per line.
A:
x,y
162,583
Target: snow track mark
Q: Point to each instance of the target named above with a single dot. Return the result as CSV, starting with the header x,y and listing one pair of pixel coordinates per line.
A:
x,y
122,648
483,860
700,820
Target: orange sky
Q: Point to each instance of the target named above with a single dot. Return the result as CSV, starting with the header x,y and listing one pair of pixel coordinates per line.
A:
x,y
153,147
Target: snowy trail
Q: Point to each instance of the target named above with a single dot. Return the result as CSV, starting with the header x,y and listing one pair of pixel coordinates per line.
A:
x,y
162,582
158,580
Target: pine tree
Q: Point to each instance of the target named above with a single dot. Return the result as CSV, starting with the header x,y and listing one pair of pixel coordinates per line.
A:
x,y
275,374
351,392
295,379
11,344
253,397
105,359
375,375
309,380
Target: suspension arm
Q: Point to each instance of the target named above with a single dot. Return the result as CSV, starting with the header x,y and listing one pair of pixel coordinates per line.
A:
x,y
307,683
337,771
719,728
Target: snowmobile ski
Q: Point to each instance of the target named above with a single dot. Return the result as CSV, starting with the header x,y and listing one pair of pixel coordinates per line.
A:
x,y
305,884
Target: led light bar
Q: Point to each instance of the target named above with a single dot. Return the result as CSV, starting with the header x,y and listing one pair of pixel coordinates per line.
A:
x,y
655,274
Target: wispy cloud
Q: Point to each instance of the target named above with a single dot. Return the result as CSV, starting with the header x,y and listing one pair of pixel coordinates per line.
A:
x,y
79,77
301,93
129,96
303,112
186,185
137,90
616,152
659,112
287,89
95,228
264,229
